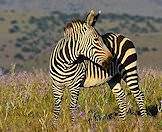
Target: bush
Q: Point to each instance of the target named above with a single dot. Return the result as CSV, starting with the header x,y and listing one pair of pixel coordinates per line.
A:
x,y
19,56
154,49
32,20
14,29
26,49
145,49
42,24
1,49
144,30
14,22
36,50
134,28
24,38
2,19
18,44
151,26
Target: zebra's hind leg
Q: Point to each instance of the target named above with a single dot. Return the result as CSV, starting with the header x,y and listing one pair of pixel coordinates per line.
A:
x,y
138,95
58,94
74,95
117,90
132,82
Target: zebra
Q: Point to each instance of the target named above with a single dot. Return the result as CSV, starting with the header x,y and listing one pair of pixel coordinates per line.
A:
x,y
80,39
123,66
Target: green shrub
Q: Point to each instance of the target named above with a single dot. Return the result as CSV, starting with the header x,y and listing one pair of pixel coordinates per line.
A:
x,y
154,49
14,22
18,44
19,56
2,19
32,20
26,49
151,26
14,29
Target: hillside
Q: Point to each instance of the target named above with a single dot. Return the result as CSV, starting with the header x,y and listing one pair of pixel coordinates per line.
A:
x,y
27,39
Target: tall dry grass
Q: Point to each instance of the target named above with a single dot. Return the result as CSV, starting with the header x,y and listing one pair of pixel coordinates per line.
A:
x,y
26,104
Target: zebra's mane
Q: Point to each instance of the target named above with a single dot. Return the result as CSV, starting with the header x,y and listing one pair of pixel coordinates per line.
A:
x,y
73,26
75,21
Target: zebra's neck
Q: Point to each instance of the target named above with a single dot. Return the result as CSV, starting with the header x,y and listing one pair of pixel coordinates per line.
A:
x,y
108,41
66,52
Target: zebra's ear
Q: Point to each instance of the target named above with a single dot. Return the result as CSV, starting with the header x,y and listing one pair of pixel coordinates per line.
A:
x,y
96,17
92,17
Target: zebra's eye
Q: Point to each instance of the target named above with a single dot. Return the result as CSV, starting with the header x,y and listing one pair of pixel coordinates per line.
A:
x,y
96,39
98,44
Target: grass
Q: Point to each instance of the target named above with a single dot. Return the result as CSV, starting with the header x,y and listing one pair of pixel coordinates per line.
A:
x,y
26,104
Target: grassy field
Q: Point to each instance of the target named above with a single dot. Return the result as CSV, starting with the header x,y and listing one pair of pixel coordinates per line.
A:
x,y
26,99
26,103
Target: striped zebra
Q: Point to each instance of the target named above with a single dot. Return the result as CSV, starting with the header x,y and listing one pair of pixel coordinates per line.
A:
x,y
122,66
80,39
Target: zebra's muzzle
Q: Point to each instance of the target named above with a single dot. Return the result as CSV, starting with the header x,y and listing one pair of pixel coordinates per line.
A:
x,y
106,63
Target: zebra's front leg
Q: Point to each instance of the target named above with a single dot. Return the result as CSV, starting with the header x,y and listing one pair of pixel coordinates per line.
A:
x,y
58,94
74,95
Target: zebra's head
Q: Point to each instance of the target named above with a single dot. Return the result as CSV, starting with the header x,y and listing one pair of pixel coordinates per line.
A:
x,y
88,41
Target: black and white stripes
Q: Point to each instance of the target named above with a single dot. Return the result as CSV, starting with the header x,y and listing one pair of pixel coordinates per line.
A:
x,y
80,39
122,66
83,58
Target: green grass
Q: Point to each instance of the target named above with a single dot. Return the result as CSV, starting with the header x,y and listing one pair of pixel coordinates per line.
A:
x,y
26,104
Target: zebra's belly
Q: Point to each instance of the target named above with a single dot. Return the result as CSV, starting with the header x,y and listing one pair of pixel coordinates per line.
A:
x,y
95,75
90,81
